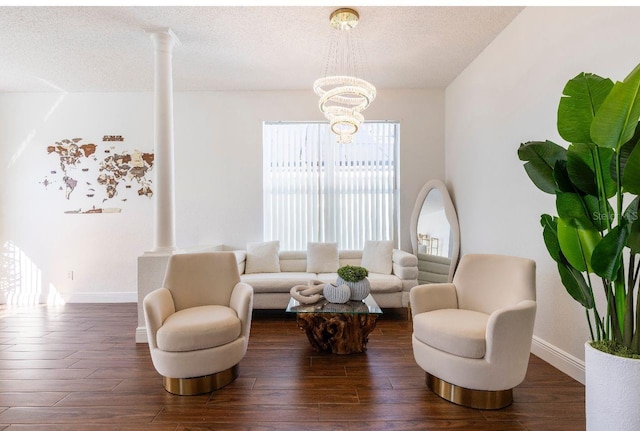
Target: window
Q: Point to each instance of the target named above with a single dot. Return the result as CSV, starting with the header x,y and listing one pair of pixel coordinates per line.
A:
x,y
318,190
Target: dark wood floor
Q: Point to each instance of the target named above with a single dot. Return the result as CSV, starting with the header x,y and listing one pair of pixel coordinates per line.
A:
x,y
77,367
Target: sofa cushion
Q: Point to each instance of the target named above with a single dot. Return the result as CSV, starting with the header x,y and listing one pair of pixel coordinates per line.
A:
x,y
198,328
459,332
322,257
377,256
293,261
380,283
262,257
349,257
276,282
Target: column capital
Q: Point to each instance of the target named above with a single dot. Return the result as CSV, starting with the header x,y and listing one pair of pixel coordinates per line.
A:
x,y
164,38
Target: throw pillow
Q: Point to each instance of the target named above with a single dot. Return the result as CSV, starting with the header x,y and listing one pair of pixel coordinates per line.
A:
x,y
322,257
262,257
377,256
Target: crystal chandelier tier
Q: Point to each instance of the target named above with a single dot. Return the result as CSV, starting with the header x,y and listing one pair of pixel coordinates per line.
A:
x,y
343,96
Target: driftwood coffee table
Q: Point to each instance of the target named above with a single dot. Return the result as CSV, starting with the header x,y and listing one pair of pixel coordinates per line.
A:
x,y
337,328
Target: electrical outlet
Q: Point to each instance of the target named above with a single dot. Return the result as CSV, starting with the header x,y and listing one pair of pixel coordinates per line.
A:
x,y
70,274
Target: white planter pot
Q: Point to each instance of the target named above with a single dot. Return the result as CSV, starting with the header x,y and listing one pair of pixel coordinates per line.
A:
x,y
337,294
612,391
359,289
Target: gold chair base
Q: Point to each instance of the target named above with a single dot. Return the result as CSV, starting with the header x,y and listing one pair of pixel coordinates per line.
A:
x,y
477,399
200,385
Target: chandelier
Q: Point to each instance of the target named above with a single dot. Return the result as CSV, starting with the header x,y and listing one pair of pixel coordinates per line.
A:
x,y
343,96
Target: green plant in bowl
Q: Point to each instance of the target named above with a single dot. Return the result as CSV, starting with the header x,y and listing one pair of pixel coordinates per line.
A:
x,y
352,273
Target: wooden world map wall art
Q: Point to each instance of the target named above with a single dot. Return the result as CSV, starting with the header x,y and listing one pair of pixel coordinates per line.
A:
x,y
99,178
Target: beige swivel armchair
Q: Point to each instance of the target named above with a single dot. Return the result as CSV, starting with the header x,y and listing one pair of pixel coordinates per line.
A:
x,y
198,323
472,337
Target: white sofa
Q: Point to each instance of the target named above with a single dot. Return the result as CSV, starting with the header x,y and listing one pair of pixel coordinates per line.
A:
x,y
271,289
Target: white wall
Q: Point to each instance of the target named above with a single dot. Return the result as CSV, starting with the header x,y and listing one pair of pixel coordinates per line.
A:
x,y
507,96
41,243
218,151
221,199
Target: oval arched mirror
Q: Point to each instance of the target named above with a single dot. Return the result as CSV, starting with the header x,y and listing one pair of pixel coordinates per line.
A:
x,y
435,234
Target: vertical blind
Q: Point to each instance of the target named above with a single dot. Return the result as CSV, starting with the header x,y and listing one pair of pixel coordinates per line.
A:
x,y
316,189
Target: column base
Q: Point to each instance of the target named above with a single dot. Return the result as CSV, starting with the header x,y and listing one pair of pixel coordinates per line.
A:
x,y
200,385
476,399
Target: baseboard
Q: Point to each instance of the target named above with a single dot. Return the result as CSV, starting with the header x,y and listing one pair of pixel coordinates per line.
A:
x,y
101,297
141,334
560,359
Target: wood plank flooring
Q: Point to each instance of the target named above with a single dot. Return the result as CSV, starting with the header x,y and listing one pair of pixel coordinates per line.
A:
x,y
76,367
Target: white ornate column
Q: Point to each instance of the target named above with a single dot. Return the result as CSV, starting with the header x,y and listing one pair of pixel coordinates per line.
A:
x,y
152,265
164,210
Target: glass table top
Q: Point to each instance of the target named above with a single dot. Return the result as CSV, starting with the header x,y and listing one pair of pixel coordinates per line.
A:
x,y
366,306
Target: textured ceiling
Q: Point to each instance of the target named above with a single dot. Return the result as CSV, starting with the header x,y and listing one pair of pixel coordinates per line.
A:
x,y
84,49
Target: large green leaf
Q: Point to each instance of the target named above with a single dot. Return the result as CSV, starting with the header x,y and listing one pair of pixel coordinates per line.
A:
x,y
624,152
633,221
633,242
607,256
561,177
631,175
631,212
580,168
584,210
600,212
582,96
582,162
577,244
550,236
604,157
571,206
616,120
541,157
574,282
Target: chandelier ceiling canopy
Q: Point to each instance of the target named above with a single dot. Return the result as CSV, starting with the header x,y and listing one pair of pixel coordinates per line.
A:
x,y
343,96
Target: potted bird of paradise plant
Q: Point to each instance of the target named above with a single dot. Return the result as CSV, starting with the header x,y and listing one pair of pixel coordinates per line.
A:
x,y
595,236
